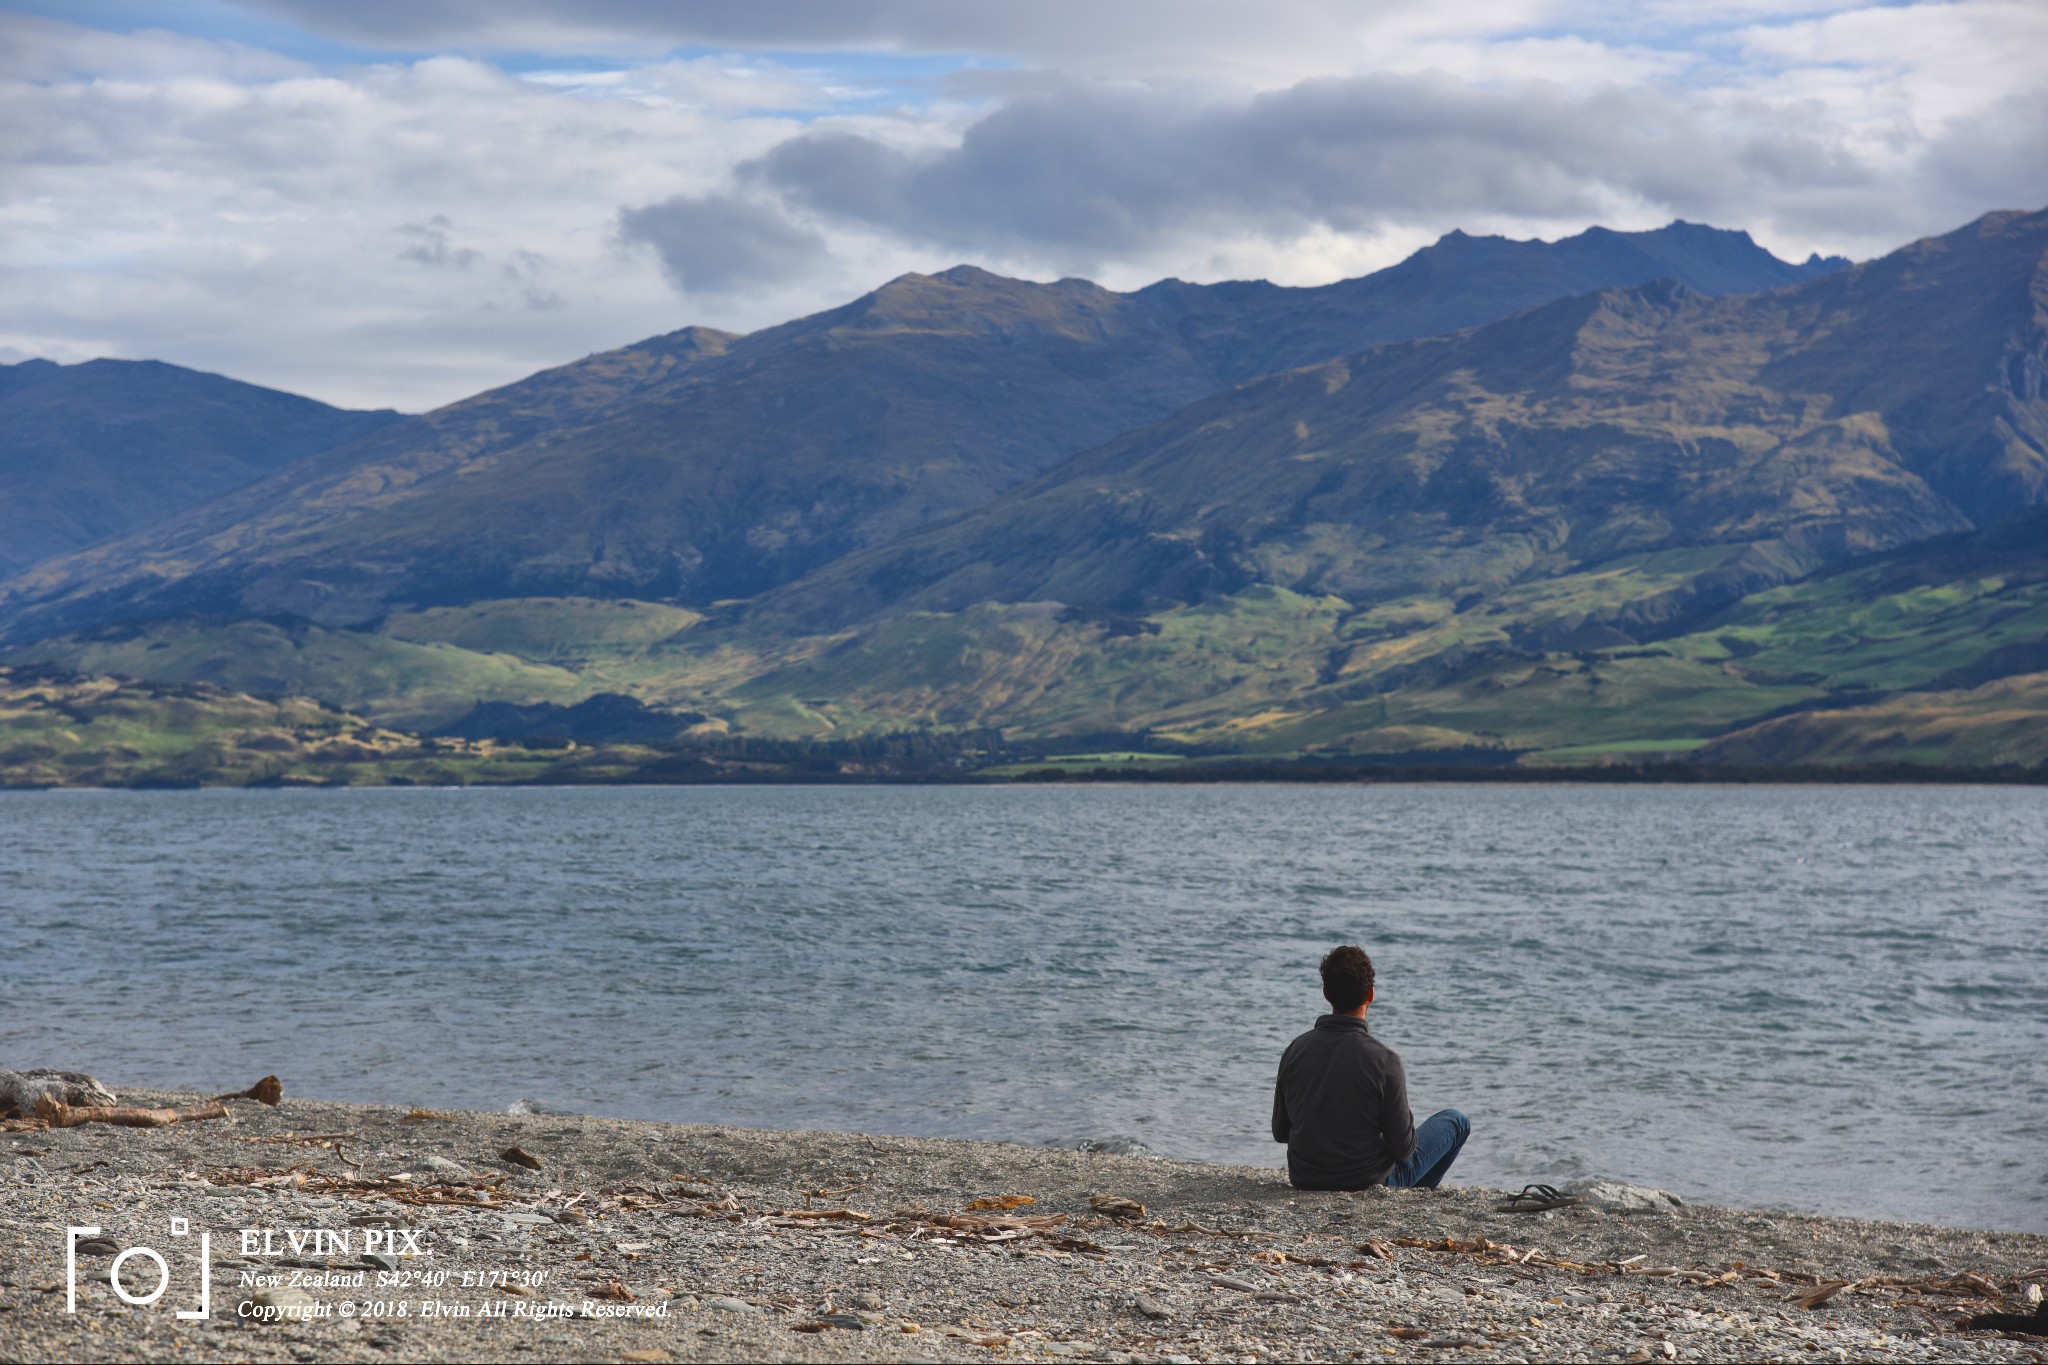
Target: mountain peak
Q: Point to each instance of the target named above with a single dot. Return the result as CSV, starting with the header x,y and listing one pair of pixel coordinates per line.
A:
x,y
971,274
1684,227
688,342
962,276
27,374
968,300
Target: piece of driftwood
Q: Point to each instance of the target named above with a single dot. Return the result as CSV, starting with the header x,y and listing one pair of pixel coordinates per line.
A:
x,y
60,1115
1003,1201
268,1091
426,1116
21,1090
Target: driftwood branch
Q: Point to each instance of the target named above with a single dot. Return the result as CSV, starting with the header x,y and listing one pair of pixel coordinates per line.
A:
x,y
268,1091
60,1115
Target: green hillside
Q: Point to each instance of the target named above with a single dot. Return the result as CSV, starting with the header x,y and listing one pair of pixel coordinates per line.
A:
x,y
399,682
1266,673
1271,672
69,730
2001,722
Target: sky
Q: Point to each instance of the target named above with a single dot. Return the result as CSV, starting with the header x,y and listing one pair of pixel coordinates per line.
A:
x,y
397,203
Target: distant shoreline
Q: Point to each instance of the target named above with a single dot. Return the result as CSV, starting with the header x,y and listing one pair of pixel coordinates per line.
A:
x,y
1678,774
1191,774
67,730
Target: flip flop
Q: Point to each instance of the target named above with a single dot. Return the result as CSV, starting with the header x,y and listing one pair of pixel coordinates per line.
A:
x,y
2035,1325
1537,1198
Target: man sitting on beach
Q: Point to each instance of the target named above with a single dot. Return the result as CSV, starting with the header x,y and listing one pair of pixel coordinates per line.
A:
x,y
1341,1103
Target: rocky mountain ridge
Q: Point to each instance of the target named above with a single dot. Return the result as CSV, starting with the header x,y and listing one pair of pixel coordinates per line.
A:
x,y
702,466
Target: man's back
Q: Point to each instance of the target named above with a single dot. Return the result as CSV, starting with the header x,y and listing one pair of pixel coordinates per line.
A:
x,y
1341,1106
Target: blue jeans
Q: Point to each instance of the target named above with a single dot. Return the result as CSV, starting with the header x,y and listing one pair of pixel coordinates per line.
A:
x,y
1437,1143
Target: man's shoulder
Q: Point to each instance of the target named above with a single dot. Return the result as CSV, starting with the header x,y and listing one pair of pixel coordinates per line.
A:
x,y
1330,1039
1381,1050
1302,1042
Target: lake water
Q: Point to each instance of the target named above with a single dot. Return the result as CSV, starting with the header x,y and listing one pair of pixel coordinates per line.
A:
x,y
1813,998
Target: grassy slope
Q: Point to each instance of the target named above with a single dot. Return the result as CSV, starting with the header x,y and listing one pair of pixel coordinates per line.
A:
x,y
64,729
571,632
1266,672
59,730
2005,721
397,682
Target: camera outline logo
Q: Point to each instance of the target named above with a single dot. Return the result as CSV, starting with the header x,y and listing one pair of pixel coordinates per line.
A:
x,y
180,1227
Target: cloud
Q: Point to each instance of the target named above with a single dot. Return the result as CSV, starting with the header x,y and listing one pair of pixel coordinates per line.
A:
x,y
1287,39
540,178
1095,173
716,243
427,244
40,49
401,233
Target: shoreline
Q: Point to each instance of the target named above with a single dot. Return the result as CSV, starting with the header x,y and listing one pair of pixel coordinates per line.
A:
x,y
645,1241
1234,773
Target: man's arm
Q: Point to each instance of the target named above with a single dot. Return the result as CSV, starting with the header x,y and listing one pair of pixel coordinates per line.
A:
x,y
1397,1124
1282,1126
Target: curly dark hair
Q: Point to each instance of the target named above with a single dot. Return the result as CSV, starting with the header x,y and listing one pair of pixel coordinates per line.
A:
x,y
1347,978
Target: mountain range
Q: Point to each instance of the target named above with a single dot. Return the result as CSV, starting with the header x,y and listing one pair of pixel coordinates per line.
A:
x,y
1626,494
93,451
700,466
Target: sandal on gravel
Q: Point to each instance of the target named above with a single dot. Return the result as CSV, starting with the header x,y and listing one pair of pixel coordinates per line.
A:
x,y
1537,1198
2033,1326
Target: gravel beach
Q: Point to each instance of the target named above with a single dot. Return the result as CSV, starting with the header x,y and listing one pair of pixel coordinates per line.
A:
x,y
355,1232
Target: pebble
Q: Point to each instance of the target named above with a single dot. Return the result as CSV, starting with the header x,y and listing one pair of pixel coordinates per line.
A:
x,y
1611,1196
732,1306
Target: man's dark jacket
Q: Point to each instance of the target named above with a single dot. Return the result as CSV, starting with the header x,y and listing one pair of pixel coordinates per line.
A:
x,y
1341,1106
